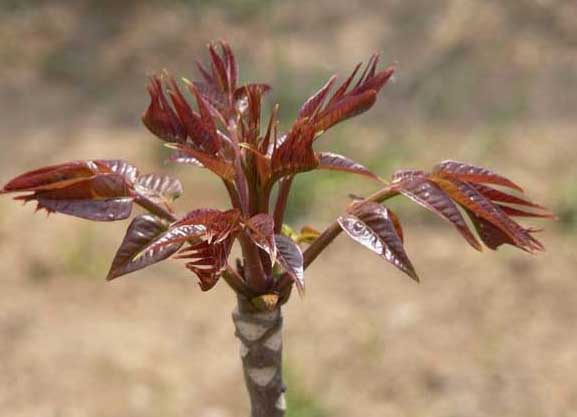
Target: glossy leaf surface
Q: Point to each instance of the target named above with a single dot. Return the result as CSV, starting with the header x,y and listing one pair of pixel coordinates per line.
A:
x,y
131,256
467,196
334,161
52,177
119,167
162,189
313,103
261,231
470,173
416,186
181,157
208,225
296,153
290,256
220,167
207,260
345,109
346,102
100,210
499,196
372,226
159,117
105,197
493,236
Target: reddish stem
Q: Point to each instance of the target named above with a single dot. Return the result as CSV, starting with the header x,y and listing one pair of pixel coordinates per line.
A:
x,y
154,208
281,202
331,232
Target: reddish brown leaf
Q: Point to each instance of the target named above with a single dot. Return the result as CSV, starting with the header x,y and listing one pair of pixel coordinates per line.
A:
x,y
371,225
397,225
160,118
206,130
407,174
100,187
200,225
220,167
515,212
217,101
178,234
200,129
270,135
161,189
344,109
290,257
210,225
467,196
119,167
296,153
374,82
347,103
257,89
261,232
493,237
96,210
313,103
334,161
209,254
497,195
181,157
219,70
208,262
85,189
51,177
469,173
230,65
220,83
341,91
219,224
130,257
418,188
248,103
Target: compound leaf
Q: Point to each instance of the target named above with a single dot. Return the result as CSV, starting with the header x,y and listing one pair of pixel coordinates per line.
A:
x,y
417,187
468,197
472,174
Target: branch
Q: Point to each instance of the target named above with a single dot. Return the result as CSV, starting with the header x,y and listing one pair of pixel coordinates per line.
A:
x,y
239,177
154,208
331,232
327,237
253,268
237,283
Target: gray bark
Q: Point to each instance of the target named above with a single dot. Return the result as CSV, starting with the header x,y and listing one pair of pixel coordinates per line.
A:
x,y
260,335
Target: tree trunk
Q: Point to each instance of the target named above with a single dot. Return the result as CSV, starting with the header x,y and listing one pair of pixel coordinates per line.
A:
x,y
260,335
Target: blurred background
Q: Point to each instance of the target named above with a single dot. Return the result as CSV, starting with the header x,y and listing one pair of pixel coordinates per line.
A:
x,y
492,82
